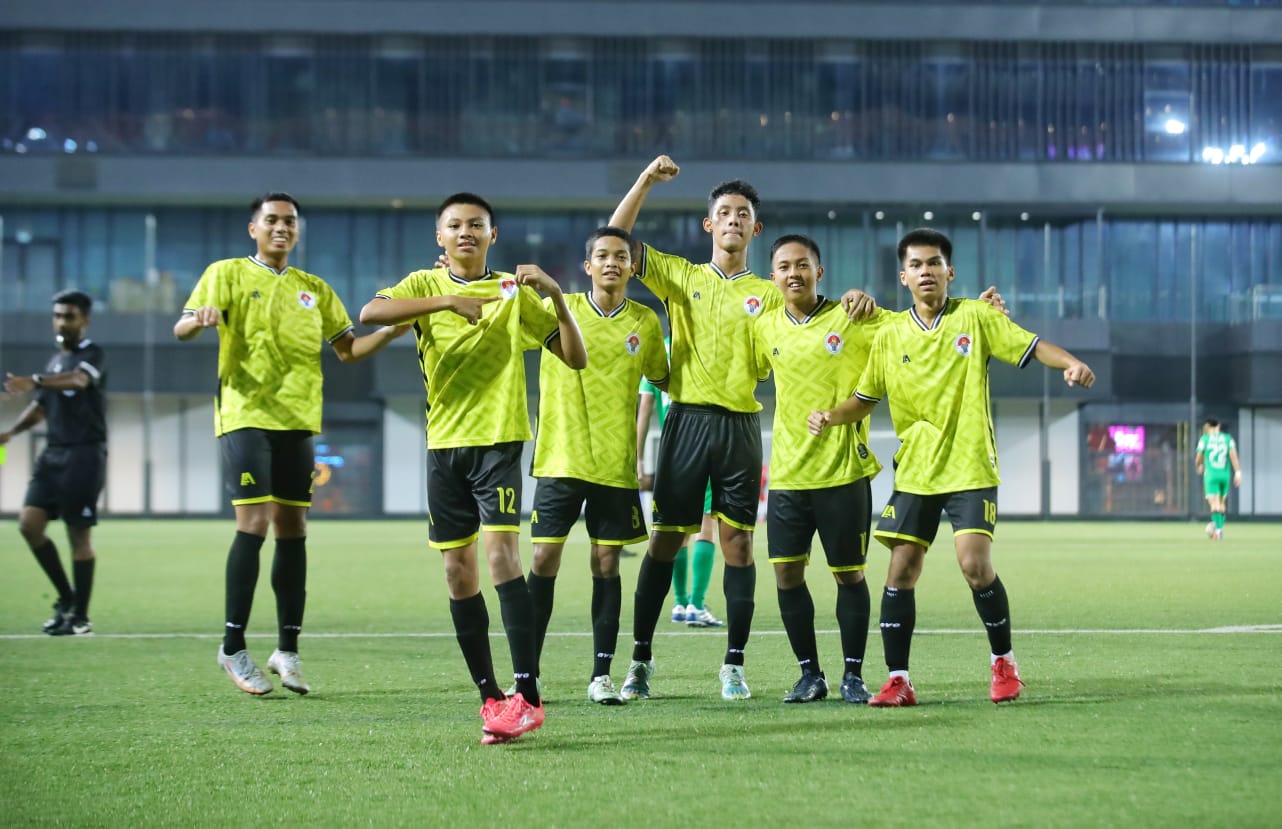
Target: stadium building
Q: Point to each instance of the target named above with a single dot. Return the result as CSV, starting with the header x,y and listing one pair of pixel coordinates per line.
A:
x,y
1113,167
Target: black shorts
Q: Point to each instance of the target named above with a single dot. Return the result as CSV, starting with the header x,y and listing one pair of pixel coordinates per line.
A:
x,y
262,465
472,488
915,518
613,514
840,514
67,483
702,444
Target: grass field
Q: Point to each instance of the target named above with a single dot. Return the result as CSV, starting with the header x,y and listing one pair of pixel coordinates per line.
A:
x,y
1153,659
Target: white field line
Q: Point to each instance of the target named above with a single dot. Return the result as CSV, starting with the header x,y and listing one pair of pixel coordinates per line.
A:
x,y
498,633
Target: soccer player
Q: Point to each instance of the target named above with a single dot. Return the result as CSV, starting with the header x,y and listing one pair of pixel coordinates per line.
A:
x,y
817,484
474,373
932,362
584,454
72,467
712,432
692,567
1215,451
271,321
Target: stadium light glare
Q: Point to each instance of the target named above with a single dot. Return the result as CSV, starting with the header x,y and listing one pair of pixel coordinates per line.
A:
x,y
879,215
928,215
976,216
1023,217
1237,152
36,134
1174,126
1213,155
69,145
1258,151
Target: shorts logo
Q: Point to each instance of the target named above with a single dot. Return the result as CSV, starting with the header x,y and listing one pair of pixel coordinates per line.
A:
x,y
247,479
633,344
752,305
833,343
508,288
862,452
306,300
888,512
87,512
962,344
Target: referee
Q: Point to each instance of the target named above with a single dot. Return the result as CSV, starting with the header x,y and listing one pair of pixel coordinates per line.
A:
x,y
70,471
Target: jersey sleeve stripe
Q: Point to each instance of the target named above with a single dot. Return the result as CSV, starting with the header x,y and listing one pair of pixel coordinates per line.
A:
x,y
547,341
867,398
645,249
1028,354
342,333
88,368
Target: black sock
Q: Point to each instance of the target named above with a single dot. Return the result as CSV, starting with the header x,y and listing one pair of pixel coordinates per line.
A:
x,y
797,608
654,579
47,557
542,594
83,572
242,578
854,607
607,599
289,580
740,584
518,622
898,618
472,630
994,611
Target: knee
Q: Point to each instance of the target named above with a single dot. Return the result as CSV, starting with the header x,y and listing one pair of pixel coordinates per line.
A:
x,y
788,577
288,525
605,563
737,548
849,577
255,524
978,573
32,532
546,562
664,544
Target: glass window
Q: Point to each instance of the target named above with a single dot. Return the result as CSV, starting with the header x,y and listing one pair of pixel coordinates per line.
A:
x,y
1166,110
1266,108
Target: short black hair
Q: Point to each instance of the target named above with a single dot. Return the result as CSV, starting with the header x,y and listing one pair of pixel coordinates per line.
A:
x,y
1212,422
926,237
738,187
266,197
795,238
77,298
465,198
602,232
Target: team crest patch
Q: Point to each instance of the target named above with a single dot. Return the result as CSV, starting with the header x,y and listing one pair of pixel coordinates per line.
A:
x,y
306,300
962,344
752,305
633,344
508,288
833,343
